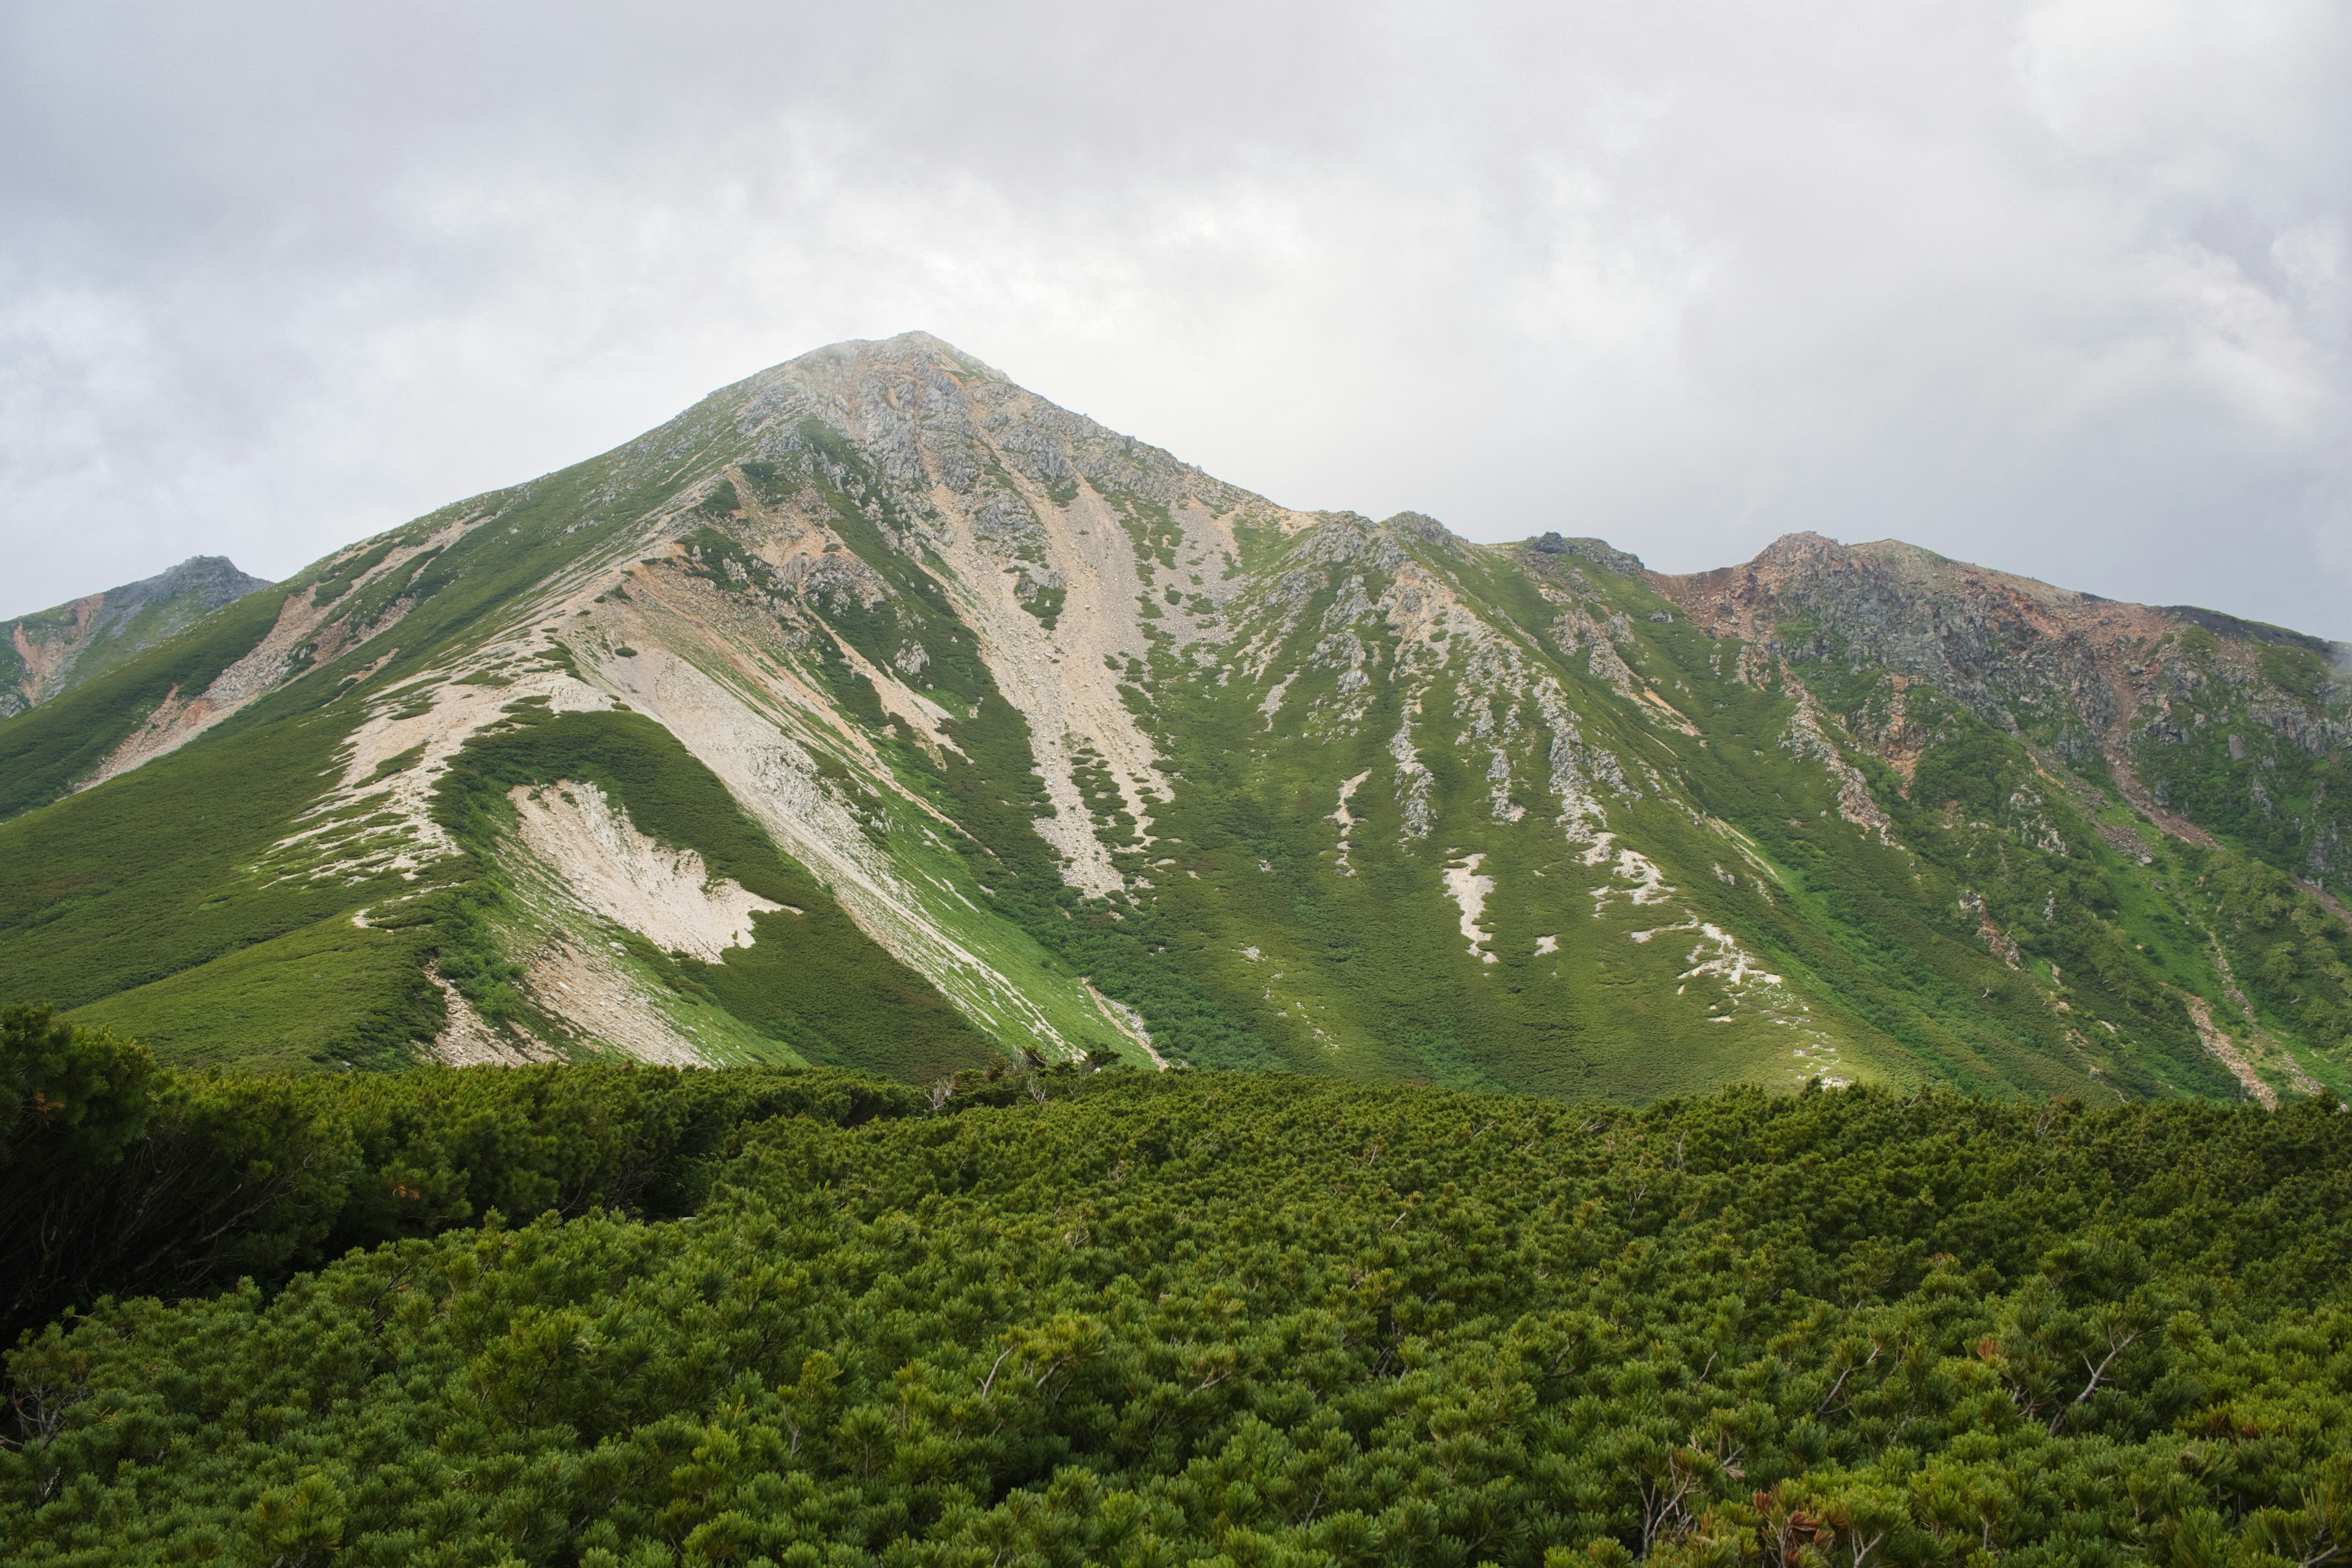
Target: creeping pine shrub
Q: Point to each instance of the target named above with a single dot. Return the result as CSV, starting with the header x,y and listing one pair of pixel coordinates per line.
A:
x,y
1065,1319
117,1176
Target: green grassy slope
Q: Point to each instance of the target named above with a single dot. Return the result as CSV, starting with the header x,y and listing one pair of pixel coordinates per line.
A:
x,y
160,870
1368,973
812,981
163,902
44,753
332,994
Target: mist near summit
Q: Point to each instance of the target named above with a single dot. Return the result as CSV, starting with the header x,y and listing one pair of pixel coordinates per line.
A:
x,y
2064,287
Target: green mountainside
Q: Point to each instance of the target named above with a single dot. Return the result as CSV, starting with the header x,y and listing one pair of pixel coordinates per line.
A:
x,y
878,713
54,650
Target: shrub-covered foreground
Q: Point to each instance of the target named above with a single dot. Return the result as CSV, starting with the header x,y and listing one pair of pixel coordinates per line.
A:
x,y
117,1175
1265,1319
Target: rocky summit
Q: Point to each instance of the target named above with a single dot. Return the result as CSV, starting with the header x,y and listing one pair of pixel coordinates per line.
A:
x,y
876,711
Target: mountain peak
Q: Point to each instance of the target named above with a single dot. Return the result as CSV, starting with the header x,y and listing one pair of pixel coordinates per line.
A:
x,y
1420,525
857,369
913,722
1599,551
1806,563
883,355
44,653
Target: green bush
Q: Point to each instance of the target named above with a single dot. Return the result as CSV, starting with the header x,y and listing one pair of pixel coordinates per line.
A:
x,y
1140,1319
116,1176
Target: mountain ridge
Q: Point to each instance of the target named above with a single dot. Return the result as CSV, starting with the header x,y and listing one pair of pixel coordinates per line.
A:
x,y
1061,745
47,651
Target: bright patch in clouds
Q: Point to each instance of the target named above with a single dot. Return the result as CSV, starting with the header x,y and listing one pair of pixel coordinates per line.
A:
x,y
2059,288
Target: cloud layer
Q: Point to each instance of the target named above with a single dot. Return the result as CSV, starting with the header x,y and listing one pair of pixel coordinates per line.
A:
x,y
2064,288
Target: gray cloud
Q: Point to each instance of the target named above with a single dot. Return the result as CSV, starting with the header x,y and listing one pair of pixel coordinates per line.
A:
x,y
2062,287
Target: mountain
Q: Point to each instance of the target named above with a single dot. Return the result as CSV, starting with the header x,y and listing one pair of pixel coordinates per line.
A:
x,y
877,712
49,652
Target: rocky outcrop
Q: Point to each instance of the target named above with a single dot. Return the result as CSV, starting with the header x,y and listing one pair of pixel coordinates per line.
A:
x,y
2161,699
2074,670
2021,654
1600,553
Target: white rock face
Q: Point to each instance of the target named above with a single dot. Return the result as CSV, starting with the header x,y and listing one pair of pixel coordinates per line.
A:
x,y
1008,496
664,894
467,1039
1469,891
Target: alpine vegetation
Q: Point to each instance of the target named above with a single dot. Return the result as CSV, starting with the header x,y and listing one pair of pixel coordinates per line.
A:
x,y
778,1316
878,713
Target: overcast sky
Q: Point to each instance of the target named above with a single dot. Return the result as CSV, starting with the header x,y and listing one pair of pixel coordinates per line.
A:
x,y
2064,288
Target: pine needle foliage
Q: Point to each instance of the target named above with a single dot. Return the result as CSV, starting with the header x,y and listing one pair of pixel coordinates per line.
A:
x,y
117,1175
1059,1317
